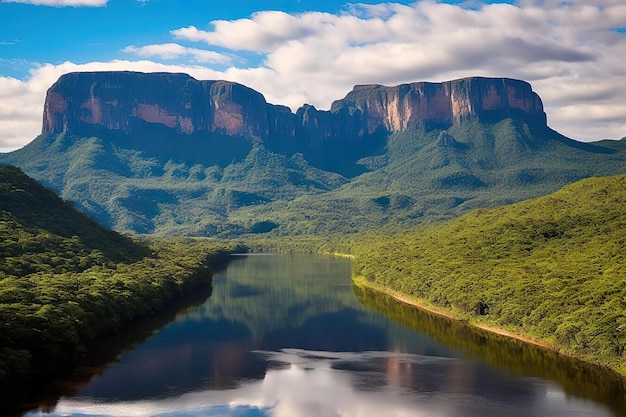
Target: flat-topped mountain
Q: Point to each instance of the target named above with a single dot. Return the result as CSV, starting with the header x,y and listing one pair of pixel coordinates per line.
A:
x,y
84,103
169,154
125,101
430,105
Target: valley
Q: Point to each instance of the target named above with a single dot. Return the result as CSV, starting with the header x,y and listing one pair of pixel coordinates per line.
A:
x,y
457,196
165,154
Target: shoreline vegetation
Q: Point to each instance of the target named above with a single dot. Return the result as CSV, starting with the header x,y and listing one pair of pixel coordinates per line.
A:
x,y
549,271
66,282
577,377
47,389
54,319
362,282
338,247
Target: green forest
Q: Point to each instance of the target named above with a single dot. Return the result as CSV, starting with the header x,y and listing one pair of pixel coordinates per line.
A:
x,y
407,178
65,281
551,269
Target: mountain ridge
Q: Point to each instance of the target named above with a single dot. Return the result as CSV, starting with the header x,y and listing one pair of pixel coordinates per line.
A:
x,y
381,156
125,101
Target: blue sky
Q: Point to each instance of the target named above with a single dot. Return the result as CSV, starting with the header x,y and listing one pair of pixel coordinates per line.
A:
x,y
305,51
81,34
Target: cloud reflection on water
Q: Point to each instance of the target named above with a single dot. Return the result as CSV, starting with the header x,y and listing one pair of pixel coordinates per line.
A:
x,y
312,383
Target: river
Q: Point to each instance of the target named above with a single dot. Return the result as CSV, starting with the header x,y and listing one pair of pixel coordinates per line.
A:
x,y
289,335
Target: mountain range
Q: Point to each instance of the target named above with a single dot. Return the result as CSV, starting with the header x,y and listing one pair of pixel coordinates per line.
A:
x,y
168,154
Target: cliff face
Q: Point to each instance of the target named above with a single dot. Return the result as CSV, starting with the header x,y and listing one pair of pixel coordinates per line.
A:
x,y
125,101
426,105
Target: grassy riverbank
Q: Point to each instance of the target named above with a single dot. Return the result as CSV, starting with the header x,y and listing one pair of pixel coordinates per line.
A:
x,y
551,270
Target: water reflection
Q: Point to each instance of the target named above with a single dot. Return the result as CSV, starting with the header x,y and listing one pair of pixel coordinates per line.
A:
x,y
102,356
575,377
289,336
313,383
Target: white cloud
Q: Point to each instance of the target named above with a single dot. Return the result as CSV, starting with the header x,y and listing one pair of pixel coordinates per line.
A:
x,y
569,52
168,51
262,33
62,3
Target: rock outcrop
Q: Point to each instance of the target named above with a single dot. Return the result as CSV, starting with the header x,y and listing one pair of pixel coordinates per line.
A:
x,y
78,103
427,105
125,101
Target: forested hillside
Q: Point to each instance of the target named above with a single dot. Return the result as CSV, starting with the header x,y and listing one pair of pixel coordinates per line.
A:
x,y
65,281
552,269
149,187
166,154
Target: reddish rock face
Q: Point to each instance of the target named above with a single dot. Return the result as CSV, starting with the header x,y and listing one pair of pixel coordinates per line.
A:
x,y
127,101
424,105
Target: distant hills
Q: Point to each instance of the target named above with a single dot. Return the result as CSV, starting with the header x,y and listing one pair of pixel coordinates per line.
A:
x,y
168,154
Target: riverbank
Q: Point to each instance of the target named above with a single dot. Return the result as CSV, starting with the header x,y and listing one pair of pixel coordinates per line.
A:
x,y
360,281
507,354
550,269
68,312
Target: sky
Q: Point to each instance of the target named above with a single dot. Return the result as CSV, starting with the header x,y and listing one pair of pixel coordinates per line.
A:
x,y
314,51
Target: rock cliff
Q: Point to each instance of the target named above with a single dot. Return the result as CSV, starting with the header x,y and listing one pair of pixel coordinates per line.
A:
x,y
78,103
125,101
428,105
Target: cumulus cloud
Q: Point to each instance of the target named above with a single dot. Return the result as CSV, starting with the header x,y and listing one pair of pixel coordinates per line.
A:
x,y
264,32
570,52
62,3
567,50
174,51
16,121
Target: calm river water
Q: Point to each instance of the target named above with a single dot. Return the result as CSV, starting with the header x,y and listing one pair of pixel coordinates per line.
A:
x,y
289,335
